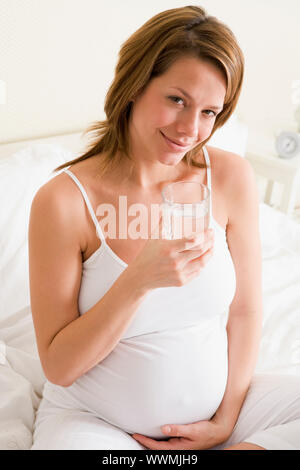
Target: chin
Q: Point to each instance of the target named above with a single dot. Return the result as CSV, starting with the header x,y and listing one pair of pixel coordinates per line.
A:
x,y
171,159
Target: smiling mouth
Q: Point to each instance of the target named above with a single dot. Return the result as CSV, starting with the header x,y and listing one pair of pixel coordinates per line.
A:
x,y
173,144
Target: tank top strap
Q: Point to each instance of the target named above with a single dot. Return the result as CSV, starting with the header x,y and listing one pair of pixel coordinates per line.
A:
x,y
88,204
208,170
208,181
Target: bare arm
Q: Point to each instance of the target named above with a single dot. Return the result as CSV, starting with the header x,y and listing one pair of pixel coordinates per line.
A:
x,y
245,315
70,344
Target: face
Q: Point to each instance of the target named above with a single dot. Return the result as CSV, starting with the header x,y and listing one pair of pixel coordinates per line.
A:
x,y
177,111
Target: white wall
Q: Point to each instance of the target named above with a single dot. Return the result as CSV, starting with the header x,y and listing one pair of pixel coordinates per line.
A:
x,y
57,58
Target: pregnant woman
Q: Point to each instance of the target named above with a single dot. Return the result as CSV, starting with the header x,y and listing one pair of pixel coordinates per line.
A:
x,y
148,342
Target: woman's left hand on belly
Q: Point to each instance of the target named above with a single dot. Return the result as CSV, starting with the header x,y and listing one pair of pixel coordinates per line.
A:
x,y
195,436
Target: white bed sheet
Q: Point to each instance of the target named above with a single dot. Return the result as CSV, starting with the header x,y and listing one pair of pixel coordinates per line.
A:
x,y
21,380
21,375
280,344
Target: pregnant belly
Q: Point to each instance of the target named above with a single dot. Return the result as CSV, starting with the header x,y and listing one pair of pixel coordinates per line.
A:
x,y
175,376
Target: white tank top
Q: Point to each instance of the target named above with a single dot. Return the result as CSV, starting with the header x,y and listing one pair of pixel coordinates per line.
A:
x,y
172,356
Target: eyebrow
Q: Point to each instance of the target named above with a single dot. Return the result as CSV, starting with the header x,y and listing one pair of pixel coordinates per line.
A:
x,y
216,108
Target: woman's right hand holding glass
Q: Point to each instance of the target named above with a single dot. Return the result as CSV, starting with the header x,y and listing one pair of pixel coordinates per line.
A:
x,y
165,263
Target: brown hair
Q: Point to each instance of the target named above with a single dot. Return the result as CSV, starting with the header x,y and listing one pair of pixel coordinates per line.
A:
x,y
148,53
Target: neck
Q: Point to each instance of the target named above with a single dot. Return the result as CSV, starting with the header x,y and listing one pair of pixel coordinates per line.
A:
x,y
147,175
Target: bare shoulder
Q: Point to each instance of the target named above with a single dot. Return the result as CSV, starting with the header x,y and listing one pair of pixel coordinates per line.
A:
x,y
59,198
59,188
228,165
235,177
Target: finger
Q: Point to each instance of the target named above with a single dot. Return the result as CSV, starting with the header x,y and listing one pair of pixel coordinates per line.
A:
x,y
189,243
179,430
202,259
196,265
170,444
190,255
151,443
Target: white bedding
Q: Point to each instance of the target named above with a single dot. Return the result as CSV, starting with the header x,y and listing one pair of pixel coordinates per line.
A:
x,y
21,375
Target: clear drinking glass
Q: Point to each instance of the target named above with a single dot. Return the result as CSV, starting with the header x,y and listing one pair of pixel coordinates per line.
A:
x,y
185,209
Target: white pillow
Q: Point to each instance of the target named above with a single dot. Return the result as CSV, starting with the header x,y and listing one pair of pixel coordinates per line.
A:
x,y
277,232
21,175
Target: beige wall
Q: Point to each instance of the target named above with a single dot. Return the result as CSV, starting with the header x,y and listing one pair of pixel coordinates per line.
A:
x,y
57,58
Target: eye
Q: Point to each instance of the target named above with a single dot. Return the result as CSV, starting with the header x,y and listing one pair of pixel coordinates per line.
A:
x,y
176,99
210,111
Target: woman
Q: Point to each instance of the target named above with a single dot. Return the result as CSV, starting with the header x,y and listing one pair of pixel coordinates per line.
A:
x,y
137,334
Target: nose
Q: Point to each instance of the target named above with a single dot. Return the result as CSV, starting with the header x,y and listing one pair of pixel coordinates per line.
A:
x,y
188,124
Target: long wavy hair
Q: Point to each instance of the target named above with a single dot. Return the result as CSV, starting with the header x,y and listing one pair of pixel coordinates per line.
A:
x,y
148,53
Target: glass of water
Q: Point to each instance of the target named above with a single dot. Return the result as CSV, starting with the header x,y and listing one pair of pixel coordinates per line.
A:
x,y
185,209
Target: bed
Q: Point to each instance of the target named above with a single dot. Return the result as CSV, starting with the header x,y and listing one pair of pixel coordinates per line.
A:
x,y
24,167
